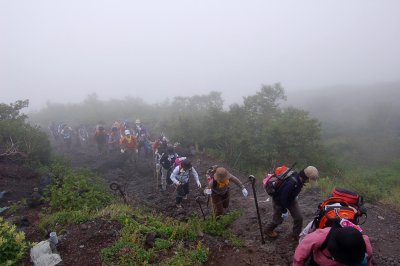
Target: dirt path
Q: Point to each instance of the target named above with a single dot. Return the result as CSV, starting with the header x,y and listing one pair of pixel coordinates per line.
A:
x,y
382,225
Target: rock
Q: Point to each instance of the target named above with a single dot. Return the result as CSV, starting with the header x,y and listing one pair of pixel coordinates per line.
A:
x,y
83,227
41,254
44,181
2,194
381,217
34,200
150,239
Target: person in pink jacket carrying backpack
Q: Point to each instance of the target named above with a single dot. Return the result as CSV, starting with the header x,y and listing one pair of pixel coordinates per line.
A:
x,y
334,246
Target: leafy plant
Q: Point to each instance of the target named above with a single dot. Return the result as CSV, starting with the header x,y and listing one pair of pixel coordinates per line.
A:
x,y
78,190
12,244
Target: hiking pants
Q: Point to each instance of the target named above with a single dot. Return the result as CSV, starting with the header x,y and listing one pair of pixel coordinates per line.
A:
x,y
295,212
181,191
131,156
164,174
220,201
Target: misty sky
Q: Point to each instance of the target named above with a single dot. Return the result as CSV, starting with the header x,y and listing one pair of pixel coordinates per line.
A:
x,y
64,50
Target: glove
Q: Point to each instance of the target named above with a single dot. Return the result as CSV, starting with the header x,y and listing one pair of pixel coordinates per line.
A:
x,y
245,193
122,150
285,215
177,183
207,191
199,185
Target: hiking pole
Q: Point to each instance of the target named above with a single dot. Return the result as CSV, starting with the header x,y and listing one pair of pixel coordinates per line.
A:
x,y
116,187
201,208
253,180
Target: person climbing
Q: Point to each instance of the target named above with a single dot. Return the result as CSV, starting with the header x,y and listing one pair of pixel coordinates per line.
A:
x,y
113,140
142,136
334,246
285,199
100,136
167,161
129,146
180,177
218,187
66,133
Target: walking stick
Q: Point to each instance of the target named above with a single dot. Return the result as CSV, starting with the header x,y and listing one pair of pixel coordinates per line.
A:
x,y
253,180
201,208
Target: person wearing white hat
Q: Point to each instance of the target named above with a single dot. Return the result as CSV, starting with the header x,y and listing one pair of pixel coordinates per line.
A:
x,y
129,145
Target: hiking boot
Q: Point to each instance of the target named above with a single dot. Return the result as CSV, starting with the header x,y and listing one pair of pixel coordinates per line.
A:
x,y
271,234
178,206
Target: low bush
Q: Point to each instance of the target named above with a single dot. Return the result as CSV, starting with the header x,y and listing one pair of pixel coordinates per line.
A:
x,y
12,244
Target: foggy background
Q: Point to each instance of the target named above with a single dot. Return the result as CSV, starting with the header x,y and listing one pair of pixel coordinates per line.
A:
x,y
61,51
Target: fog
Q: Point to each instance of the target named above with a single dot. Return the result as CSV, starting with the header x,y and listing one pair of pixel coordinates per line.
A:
x,y
61,51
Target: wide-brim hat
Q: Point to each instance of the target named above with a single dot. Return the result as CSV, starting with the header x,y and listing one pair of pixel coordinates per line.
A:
x,y
221,174
311,172
347,245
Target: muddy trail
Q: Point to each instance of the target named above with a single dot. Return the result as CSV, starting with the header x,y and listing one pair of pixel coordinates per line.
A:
x,y
82,243
139,183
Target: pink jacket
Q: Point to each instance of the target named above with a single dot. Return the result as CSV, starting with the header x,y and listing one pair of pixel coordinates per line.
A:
x,y
311,243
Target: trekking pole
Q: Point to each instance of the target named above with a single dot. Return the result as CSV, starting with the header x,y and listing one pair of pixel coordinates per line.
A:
x,y
253,180
201,208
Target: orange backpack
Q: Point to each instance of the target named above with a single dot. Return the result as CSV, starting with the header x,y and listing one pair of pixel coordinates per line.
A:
x,y
343,204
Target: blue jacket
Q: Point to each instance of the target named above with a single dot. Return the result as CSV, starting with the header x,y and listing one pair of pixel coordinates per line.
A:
x,y
288,192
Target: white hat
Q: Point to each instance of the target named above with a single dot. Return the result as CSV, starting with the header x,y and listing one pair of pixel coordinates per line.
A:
x,y
127,132
311,172
137,121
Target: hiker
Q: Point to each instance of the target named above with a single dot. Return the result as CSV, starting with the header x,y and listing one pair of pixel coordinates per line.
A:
x,y
100,136
167,161
143,139
113,140
83,134
285,200
129,146
218,186
343,206
180,177
66,133
334,246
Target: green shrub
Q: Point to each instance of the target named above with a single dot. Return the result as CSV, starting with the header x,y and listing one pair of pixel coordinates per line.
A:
x,y
17,134
12,244
217,227
162,244
78,190
200,254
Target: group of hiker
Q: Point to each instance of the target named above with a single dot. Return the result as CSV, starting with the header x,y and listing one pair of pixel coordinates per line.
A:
x,y
332,238
121,136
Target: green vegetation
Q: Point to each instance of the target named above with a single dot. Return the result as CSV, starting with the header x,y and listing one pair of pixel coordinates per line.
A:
x,y
18,139
12,244
77,196
259,134
379,184
175,243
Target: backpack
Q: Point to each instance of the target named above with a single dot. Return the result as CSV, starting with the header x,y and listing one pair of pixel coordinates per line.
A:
x,y
343,204
273,182
178,161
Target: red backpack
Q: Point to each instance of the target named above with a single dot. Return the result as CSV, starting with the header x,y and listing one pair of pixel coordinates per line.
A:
x,y
343,204
272,182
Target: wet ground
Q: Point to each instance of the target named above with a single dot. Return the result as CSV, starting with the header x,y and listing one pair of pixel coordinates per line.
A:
x,y
142,189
